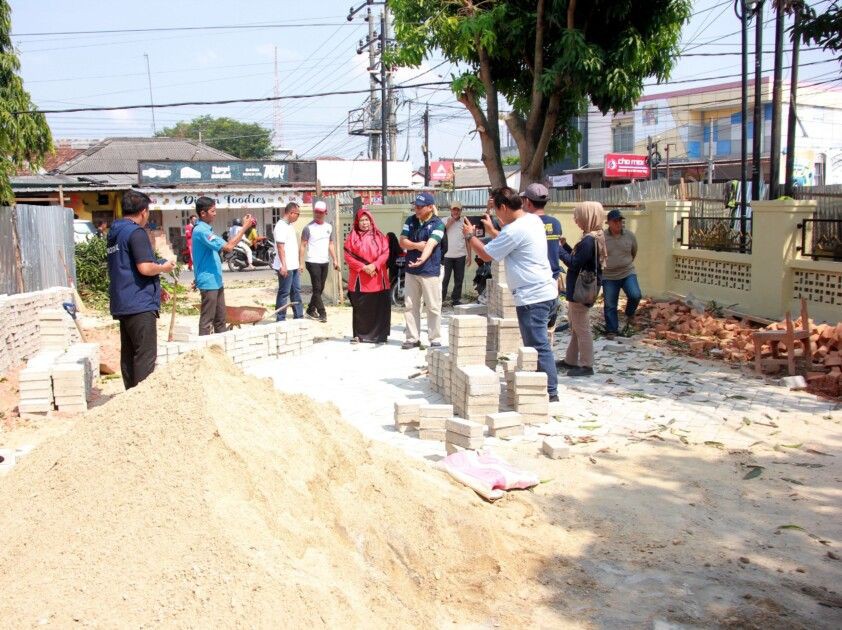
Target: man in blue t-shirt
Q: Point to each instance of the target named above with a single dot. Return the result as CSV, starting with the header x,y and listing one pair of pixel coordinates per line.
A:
x,y
207,266
420,237
134,288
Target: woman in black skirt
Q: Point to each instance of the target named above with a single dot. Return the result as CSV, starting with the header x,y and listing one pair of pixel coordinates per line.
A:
x,y
367,255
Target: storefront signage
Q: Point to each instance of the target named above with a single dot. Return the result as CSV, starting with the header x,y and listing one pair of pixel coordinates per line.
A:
x,y
226,172
441,171
225,200
626,166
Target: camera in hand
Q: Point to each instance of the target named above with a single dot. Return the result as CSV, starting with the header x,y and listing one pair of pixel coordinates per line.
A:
x,y
479,228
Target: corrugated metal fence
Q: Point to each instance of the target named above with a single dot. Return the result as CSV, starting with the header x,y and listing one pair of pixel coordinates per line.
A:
x,y
39,237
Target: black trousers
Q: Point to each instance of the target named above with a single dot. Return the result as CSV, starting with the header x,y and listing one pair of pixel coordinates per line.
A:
x,y
212,313
457,266
138,346
318,277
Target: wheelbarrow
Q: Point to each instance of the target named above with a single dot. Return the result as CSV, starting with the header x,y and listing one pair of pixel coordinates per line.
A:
x,y
236,316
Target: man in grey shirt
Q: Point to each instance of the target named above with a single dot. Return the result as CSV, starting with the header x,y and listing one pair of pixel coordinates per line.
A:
x,y
619,273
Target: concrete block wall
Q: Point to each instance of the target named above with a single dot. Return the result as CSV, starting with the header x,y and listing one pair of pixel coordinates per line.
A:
x,y
20,336
247,344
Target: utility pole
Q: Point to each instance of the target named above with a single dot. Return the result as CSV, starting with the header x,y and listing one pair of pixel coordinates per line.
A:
x,y
757,137
777,89
151,100
793,93
392,104
374,139
743,125
383,116
426,118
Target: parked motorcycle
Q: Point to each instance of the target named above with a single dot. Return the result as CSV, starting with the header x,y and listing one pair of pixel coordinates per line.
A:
x,y
398,281
263,255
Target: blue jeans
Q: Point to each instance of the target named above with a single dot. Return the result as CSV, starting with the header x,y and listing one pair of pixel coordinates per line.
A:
x,y
532,320
289,290
611,294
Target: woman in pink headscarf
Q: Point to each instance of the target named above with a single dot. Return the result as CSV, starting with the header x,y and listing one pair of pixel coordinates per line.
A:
x,y
367,254
588,255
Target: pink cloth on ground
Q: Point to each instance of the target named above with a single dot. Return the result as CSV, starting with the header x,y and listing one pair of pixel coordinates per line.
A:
x,y
489,470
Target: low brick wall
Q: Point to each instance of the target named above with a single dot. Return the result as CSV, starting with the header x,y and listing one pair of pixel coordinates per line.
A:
x,y
247,344
19,323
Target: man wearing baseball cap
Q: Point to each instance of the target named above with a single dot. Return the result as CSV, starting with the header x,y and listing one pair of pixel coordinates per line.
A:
x,y
317,252
619,273
456,254
421,235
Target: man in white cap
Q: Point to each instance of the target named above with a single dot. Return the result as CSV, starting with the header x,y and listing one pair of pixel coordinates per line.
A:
x,y
456,255
317,253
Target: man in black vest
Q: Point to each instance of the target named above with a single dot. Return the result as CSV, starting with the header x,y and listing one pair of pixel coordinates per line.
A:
x,y
135,289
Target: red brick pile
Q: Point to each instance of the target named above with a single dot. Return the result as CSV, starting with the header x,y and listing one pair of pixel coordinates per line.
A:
x,y
730,338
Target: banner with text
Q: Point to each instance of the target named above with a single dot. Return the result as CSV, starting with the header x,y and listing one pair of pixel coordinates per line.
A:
x,y
226,172
626,166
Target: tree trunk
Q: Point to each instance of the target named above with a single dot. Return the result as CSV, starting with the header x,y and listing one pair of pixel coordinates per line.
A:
x,y
490,149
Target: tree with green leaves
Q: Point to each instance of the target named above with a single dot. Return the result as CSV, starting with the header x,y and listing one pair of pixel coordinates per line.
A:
x,y
247,141
823,29
545,58
24,137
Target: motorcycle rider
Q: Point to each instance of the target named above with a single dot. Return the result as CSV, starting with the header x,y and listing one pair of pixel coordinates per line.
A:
x,y
243,245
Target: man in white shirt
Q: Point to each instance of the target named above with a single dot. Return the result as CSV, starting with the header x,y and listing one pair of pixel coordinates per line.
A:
x,y
457,256
317,251
522,243
287,264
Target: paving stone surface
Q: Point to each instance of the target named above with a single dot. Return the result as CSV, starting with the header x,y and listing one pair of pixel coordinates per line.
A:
x,y
642,393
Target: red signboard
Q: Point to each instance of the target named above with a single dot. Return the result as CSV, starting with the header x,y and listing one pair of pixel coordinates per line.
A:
x,y
626,166
441,171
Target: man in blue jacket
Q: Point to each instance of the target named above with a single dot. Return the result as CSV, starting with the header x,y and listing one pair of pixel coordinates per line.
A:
x,y
421,236
134,288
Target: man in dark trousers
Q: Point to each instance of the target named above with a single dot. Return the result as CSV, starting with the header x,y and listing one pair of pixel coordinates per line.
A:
x,y
135,288
208,266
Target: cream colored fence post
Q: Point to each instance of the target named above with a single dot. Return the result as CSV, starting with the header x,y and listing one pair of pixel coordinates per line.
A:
x,y
773,250
656,240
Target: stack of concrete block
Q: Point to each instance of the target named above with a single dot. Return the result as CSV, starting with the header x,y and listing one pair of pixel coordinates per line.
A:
x,y
463,434
467,339
432,420
475,392
74,374
503,336
505,424
530,397
183,332
501,301
56,328
19,338
471,309
407,413
527,359
247,344
36,385
439,371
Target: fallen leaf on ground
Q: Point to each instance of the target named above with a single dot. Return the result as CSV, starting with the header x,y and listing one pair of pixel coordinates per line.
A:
x,y
754,472
714,444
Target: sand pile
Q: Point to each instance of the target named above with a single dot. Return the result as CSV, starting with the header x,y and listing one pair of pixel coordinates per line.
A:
x,y
204,497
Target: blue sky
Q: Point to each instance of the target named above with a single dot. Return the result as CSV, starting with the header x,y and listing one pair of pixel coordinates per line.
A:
x,y
317,54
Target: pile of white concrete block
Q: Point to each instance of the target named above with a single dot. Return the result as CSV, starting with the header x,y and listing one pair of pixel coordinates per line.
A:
x,y
475,392
407,413
432,421
248,344
36,384
501,302
467,339
19,330
463,434
56,329
63,380
439,370
504,424
530,397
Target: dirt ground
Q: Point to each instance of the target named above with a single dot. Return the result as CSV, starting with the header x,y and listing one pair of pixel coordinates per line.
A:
x,y
654,533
